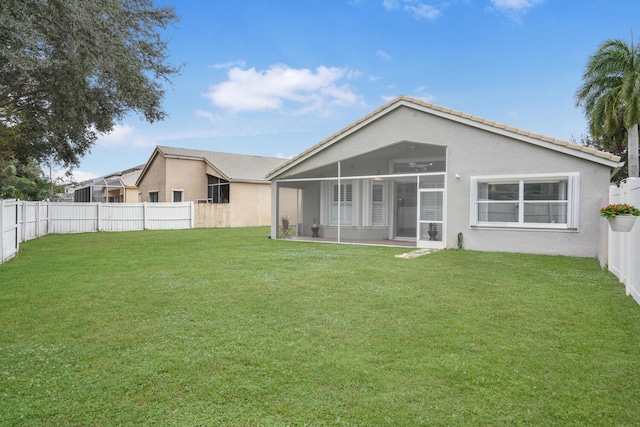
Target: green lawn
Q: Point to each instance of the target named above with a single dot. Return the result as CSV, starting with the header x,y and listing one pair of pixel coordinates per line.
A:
x,y
226,327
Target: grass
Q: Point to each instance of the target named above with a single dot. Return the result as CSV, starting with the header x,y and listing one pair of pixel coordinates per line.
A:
x,y
226,327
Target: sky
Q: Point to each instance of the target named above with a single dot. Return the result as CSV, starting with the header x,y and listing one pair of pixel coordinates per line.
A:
x,y
272,78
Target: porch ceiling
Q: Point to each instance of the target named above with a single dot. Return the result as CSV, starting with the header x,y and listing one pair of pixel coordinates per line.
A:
x,y
416,157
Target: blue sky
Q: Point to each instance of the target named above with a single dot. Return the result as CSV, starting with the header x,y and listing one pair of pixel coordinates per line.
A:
x,y
272,78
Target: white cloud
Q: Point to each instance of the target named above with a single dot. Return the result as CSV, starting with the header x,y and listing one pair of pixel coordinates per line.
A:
x,y
391,4
515,4
124,136
422,94
77,176
384,55
263,90
422,10
514,8
426,97
207,115
228,65
417,8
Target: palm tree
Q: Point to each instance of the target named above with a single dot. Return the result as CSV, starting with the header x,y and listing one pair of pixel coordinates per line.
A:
x,y
610,94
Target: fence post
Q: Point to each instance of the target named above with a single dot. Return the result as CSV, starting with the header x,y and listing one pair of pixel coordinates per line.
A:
x,y
37,233
144,215
193,215
98,208
25,226
1,231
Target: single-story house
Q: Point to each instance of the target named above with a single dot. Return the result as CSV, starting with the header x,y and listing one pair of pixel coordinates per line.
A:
x,y
418,174
117,187
229,190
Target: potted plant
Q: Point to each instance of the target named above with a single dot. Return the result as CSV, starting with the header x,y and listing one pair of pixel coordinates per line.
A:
x,y
285,221
315,228
621,216
433,230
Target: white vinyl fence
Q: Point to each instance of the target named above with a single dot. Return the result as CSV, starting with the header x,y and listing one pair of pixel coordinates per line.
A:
x,y
23,221
624,248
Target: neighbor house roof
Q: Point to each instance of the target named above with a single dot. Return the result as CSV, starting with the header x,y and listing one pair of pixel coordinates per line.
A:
x,y
566,147
231,167
123,178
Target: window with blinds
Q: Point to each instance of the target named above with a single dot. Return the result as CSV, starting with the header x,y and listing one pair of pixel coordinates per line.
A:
x,y
377,204
532,201
342,202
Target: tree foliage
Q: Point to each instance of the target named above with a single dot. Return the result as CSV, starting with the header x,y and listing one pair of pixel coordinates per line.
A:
x,y
71,69
610,94
614,143
23,181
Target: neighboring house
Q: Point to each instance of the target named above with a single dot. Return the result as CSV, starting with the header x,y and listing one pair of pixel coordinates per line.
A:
x,y
229,190
118,187
424,175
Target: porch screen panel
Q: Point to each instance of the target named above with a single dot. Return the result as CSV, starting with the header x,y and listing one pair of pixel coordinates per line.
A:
x,y
432,181
431,206
434,227
217,190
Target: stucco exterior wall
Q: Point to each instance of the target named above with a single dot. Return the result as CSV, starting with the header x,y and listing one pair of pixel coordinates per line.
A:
x,y
154,179
249,206
188,176
478,152
475,152
212,215
131,195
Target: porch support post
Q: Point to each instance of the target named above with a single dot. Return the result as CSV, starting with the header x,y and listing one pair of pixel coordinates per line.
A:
x,y
339,201
275,210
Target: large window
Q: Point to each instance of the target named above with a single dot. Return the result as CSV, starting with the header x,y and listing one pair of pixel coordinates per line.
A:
x,y
537,201
218,190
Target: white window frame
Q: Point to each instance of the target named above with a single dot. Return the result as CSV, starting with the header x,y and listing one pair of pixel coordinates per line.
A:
x,y
177,190
573,200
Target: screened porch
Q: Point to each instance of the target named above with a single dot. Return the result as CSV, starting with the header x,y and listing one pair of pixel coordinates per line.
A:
x,y
392,196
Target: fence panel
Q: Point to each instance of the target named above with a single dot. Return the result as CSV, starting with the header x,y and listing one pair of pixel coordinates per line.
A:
x,y
624,248
9,229
121,217
23,221
68,218
33,220
169,216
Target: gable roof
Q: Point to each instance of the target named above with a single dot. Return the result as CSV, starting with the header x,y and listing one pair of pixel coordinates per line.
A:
x,y
566,147
231,167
